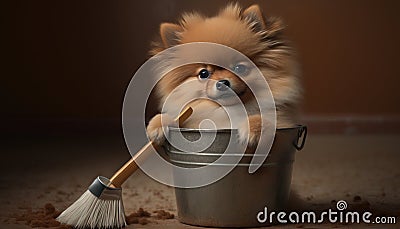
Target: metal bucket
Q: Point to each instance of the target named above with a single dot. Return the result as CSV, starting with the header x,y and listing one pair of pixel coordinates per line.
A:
x,y
236,199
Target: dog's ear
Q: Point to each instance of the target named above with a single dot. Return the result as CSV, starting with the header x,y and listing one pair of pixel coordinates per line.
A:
x,y
169,34
254,15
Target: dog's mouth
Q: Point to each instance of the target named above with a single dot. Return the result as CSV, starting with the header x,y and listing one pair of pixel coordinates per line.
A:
x,y
226,97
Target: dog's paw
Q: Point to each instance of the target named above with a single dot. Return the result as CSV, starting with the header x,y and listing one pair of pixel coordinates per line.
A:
x,y
250,132
157,126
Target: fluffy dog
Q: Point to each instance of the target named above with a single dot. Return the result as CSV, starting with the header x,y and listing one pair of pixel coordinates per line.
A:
x,y
248,31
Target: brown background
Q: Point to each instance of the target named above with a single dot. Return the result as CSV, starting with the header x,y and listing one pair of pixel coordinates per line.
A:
x,y
66,64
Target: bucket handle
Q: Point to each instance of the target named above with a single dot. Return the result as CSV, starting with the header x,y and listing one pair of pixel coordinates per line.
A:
x,y
302,131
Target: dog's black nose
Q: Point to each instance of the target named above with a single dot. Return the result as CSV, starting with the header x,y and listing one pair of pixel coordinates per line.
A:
x,y
222,85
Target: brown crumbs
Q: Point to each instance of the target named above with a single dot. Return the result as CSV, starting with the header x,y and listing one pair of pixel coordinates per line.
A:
x,y
361,206
44,217
138,217
141,213
357,199
161,214
143,221
131,219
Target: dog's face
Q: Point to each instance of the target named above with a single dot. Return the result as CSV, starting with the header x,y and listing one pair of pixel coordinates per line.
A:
x,y
246,31
206,81
223,85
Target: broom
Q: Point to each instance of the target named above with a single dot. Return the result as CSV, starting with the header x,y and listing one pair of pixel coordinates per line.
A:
x,y
101,205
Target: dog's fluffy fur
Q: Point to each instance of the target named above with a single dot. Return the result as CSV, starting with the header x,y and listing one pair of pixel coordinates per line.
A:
x,y
260,39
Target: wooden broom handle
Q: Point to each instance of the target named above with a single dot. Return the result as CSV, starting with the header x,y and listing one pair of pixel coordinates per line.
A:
x,y
131,166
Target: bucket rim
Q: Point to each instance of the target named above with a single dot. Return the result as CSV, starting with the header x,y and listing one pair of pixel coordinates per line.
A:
x,y
184,129
213,154
279,163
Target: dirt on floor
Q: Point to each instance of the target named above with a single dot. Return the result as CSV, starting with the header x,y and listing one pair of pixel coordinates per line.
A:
x,y
42,177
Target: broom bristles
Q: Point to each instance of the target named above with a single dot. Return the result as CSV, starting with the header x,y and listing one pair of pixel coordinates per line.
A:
x,y
91,212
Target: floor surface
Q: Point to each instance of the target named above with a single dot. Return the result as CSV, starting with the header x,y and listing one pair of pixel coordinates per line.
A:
x,y
58,170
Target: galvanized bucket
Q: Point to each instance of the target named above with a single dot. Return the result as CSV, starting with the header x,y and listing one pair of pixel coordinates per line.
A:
x,y
236,199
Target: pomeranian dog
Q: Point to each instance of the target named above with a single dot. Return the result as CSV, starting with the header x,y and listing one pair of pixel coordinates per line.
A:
x,y
247,31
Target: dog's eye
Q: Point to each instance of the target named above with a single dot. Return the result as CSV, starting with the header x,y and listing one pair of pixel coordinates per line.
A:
x,y
204,74
241,69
